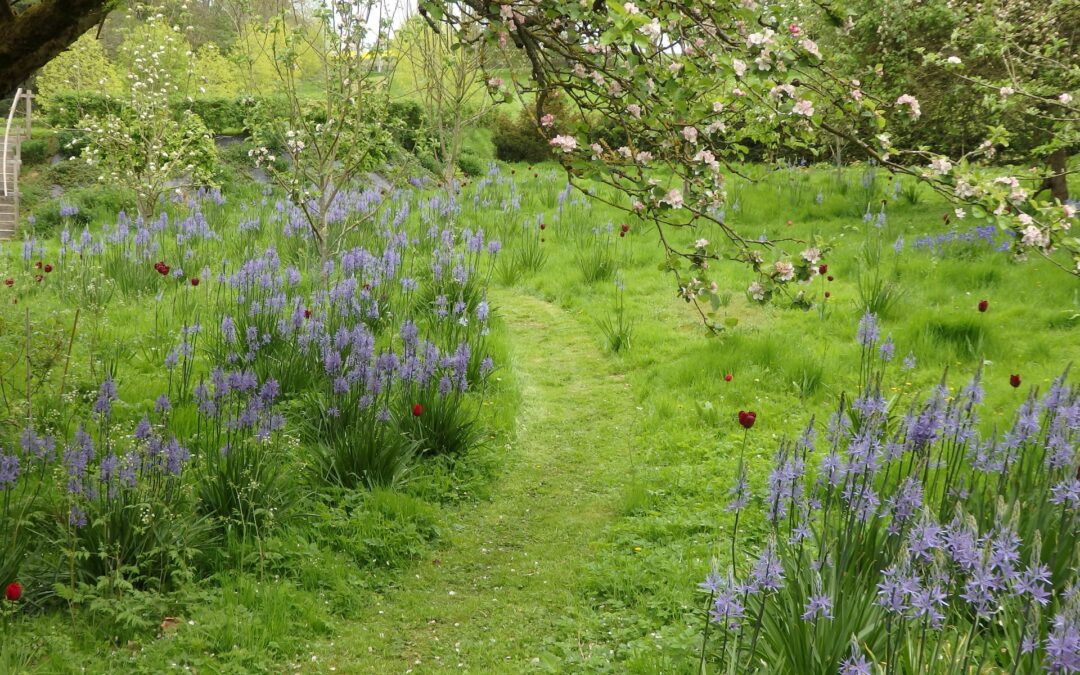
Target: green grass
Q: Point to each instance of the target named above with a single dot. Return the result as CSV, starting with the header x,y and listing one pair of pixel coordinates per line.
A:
x,y
573,540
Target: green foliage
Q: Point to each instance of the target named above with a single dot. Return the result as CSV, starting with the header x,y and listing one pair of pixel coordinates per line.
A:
x,y
471,165
517,139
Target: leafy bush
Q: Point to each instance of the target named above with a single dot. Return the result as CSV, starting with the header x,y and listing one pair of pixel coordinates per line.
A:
x,y
35,151
471,165
518,139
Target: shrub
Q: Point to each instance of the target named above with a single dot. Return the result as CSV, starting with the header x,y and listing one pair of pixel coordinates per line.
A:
x,y
35,151
518,139
471,165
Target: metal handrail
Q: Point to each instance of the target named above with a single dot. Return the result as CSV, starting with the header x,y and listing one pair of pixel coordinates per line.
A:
x,y
7,137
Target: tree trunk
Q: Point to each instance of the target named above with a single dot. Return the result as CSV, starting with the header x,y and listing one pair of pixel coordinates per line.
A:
x,y
31,39
1057,181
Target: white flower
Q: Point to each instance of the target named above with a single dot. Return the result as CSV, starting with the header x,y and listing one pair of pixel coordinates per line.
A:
x,y
706,157
1006,91
953,60
597,150
625,152
756,291
635,110
674,198
631,8
811,46
1033,236
785,271
739,67
912,103
940,166
643,157
651,30
811,255
960,213
675,68
566,143
701,243
1025,219
718,106
1065,98
690,134
1070,211
964,189
495,82
803,107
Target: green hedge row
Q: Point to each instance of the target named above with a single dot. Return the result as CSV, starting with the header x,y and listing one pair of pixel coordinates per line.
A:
x,y
221,115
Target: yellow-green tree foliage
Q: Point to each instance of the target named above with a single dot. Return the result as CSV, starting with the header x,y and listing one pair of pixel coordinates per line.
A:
x,y
216,75
262,50
84,67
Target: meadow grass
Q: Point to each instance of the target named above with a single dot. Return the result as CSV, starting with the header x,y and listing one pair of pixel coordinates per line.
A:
x,y
625,454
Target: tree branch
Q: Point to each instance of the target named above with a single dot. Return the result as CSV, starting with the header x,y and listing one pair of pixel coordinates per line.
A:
x,y
30,39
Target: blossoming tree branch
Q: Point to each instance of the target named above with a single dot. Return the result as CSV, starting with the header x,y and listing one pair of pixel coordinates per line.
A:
x,y
671,96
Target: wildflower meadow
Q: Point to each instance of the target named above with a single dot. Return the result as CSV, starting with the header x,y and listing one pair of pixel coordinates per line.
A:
x,y
540,337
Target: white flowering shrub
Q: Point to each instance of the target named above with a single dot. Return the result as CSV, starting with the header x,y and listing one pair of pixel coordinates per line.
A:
x,y
141,144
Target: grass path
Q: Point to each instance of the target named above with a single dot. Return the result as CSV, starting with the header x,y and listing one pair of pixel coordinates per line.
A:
x,y
501,584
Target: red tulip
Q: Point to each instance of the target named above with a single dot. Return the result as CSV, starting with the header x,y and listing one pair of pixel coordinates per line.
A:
x,y
747,418
1014,380
37,265
625,227
38,278
417,410
48,268
828,294
822,269
727,378
13,591
542,226
830,277
194,281
9,282
984,305
622,234
307,313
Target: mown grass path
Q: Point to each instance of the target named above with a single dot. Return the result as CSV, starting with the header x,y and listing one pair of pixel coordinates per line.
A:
x,y
503,583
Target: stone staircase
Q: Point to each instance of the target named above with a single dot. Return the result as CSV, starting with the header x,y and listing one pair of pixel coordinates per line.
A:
x,y
11,163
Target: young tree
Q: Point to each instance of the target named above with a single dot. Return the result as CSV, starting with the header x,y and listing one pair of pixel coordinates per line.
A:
x,y
142,144
449,81
334,127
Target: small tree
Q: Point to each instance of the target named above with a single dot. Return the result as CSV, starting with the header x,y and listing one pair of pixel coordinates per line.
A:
x,y
449,80
334,128
141,143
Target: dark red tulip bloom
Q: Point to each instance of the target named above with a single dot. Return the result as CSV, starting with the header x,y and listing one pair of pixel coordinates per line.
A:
x,y
307,313
822,269
13,591
830,277
1014,380
747,418
194,281
38,278
48,268
37,265
727,378
9,282
417,410
542,226
828,294
984,305
625,227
